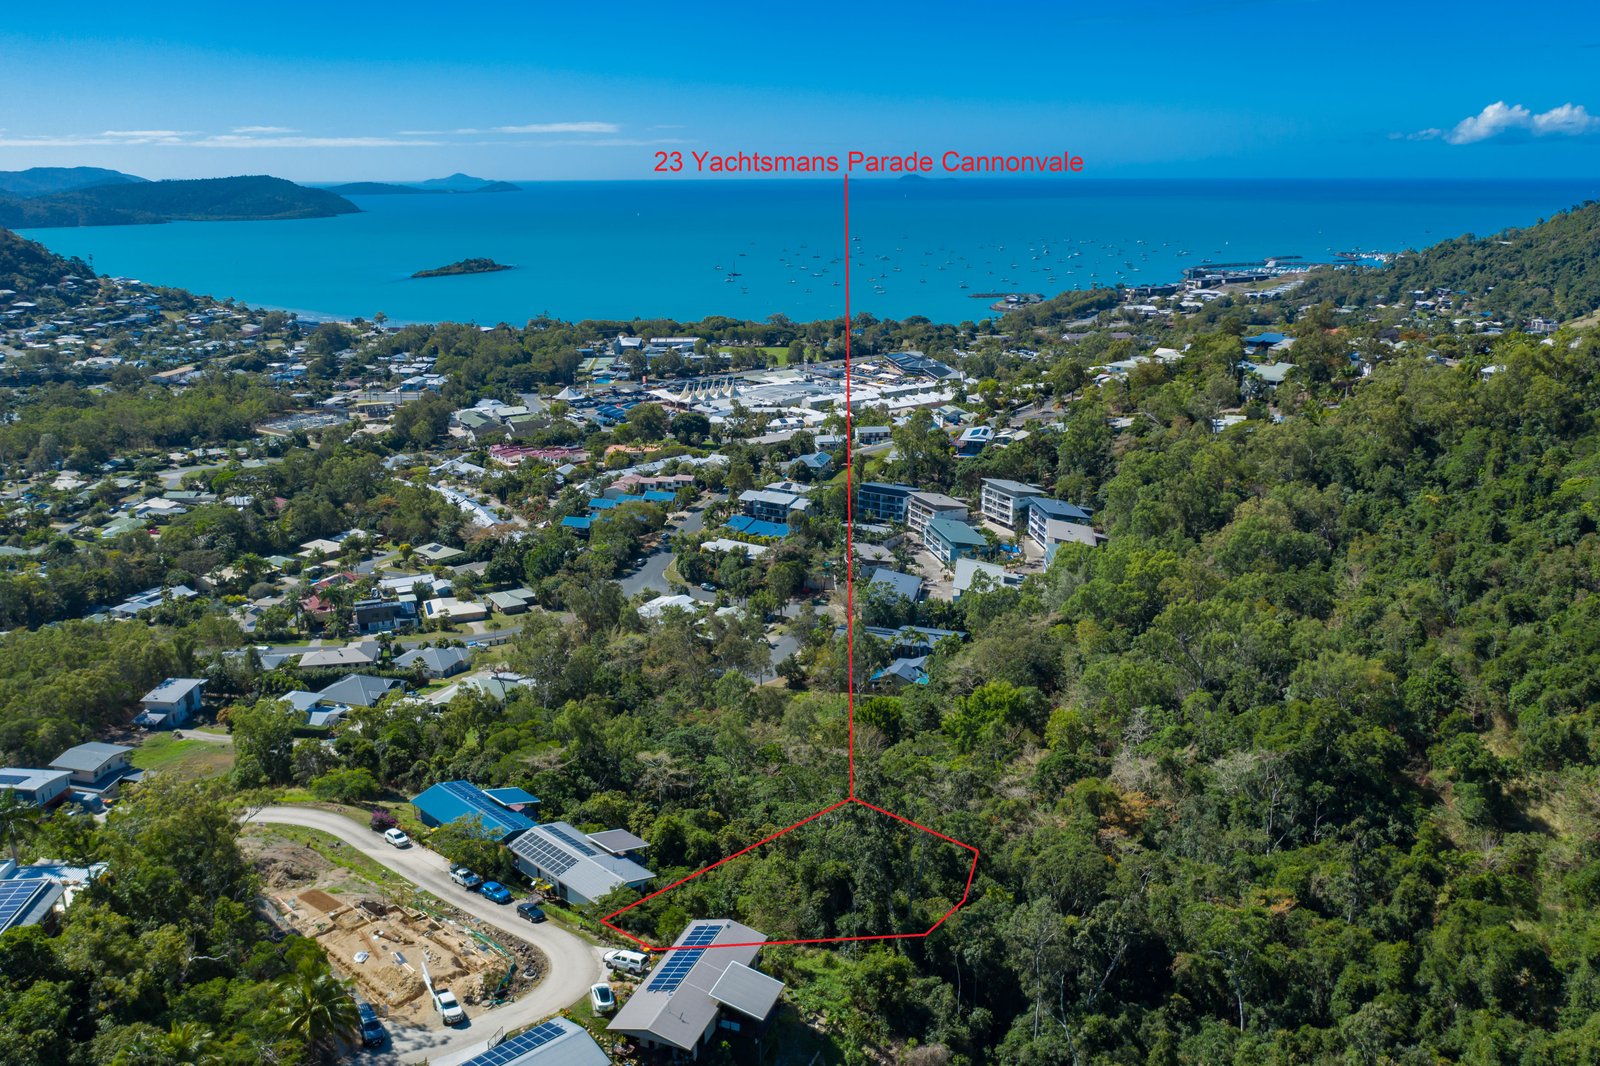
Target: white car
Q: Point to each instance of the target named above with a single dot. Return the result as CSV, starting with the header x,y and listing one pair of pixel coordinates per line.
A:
x,y
601,999
634,962
449,1007
397,838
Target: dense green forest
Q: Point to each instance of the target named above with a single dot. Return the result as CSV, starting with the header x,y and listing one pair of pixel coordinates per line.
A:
x,y
199,199
1551,268
163,960
1298,768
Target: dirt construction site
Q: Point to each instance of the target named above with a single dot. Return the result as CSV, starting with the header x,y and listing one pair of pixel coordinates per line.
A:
x,y
384,945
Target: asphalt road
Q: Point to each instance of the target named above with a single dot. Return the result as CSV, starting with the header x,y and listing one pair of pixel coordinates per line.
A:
x,y
574,962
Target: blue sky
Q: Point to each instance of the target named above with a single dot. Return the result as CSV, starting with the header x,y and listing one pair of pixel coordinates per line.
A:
x,y
338,91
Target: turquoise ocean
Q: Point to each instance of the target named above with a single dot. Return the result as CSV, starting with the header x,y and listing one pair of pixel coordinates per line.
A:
x,y
755,248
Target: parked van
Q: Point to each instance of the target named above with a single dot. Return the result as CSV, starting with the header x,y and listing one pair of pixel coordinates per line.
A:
x,y
634,962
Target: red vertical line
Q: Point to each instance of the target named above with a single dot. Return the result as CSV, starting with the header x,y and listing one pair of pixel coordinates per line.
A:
x,y
849,508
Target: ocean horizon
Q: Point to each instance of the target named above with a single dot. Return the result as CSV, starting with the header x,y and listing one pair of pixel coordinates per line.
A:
x,y
687,249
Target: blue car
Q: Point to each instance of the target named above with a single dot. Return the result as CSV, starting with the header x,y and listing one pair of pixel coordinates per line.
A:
x,y
495,891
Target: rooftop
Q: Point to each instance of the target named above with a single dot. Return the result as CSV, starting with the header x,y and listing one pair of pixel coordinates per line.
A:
x,y
679,998
564,853
451,800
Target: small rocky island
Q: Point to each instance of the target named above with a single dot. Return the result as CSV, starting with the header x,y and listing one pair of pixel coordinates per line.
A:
x,y
466,266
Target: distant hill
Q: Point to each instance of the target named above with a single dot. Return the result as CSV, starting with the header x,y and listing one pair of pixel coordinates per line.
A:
x,y
250,198
1551,268
26,266
384,188
464,183
42,181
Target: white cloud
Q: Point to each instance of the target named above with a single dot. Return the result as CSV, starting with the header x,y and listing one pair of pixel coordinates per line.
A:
x,y
146,135
264,129
561,127
1509,121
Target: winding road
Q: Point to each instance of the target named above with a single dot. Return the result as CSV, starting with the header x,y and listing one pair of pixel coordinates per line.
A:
x,y
574,962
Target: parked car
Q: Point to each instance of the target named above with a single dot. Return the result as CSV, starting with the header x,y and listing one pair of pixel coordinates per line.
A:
x,y
634,962
465,877
601,999
397,838
495,892
449,1007
706,586
531,911
372,1033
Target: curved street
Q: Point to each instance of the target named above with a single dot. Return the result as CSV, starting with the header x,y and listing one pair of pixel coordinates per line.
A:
x,y
574,962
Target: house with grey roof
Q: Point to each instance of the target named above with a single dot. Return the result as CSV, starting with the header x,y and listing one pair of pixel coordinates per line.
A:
x,y
908,586
435,662
172,703
96,766
357,654
703,988
1004,502
357,690
581,869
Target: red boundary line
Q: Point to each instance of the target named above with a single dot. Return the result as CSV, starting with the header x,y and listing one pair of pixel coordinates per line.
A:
x,y
850,702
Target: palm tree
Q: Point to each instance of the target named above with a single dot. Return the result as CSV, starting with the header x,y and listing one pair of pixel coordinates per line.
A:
x,y
319,1010
188,1043
18,820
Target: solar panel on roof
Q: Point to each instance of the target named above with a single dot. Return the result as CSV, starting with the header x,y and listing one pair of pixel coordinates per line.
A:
x,y
518,1046
567,838
682,959
16,897
545,855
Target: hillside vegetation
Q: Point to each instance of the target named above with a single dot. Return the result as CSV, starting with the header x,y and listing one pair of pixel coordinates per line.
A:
x,y
256,197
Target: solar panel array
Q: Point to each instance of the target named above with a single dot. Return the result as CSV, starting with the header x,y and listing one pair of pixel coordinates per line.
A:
x,y
680,961
577,845
543,854
16,897
517,1046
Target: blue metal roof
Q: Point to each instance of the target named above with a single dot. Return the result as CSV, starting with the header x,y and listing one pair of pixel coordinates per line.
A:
x,y
510,794
449,800
745,524
1058,508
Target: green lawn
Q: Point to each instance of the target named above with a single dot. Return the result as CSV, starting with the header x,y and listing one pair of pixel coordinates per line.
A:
x,y
188,758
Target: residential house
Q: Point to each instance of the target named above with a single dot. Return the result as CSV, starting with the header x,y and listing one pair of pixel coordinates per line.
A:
x,y
966,570
903,672
908,586
580,870
949,540
172,703
357,690
694,996
95,766
449,609
556,1042
375,616
41,788
769,505
451,801
1052,522
882,500
352,656
924,507
1003,502
436,662
434,552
